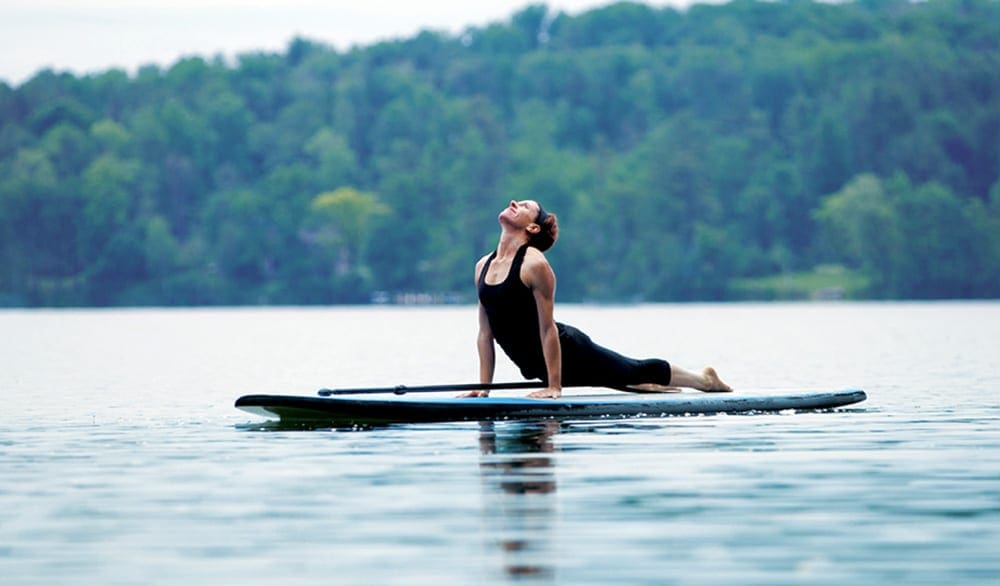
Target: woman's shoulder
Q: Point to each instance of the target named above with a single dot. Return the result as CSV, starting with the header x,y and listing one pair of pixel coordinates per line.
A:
x,y
481,264
534,255
482,260
535,261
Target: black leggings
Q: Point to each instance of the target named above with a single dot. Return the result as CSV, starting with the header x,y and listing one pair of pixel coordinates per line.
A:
x,y
585,363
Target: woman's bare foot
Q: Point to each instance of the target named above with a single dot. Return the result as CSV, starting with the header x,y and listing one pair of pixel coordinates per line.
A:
x,y
708,381
473,394
712,382
546,394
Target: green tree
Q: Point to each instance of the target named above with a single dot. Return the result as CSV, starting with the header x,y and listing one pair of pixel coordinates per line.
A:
x,y
109,136
860,228
68,148
108,187
333,158
245,245
681,149
948,244
340,226
161,250
37,230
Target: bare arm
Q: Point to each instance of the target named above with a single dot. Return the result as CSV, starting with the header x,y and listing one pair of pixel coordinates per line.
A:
x,y
484,344
537,274
487,350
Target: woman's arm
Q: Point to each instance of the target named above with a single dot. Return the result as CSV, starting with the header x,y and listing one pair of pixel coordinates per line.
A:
x,y
484,345
487,350
542,282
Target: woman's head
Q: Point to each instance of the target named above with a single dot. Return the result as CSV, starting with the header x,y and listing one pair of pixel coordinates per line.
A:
x,y
541,227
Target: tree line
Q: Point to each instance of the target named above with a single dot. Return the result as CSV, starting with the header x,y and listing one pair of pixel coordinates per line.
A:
x,y
686,153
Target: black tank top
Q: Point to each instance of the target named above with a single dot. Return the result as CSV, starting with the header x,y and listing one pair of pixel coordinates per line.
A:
x,y
513,316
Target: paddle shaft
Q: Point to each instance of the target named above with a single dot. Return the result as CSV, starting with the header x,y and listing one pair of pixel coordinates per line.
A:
x,y
403,389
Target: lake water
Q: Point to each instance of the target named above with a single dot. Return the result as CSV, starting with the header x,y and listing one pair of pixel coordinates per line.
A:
x,y
123,461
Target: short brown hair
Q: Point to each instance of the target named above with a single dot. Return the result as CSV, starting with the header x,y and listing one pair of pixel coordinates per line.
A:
x,y
546,237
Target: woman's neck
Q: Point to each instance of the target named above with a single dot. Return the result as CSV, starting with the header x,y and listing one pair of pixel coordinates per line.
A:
x,y
510,243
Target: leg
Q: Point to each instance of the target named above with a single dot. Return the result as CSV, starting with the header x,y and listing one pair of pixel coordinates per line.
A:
x,y
707,381
587,363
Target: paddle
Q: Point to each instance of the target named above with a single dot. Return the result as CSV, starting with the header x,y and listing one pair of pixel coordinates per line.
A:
x,y
403,389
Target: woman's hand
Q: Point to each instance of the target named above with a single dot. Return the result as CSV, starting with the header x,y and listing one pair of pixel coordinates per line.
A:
x,y
546,393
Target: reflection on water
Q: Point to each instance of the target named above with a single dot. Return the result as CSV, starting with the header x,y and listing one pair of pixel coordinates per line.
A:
x,y
120,464
519,509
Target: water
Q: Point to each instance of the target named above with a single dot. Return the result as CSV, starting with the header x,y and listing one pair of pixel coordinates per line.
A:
x,y
122,460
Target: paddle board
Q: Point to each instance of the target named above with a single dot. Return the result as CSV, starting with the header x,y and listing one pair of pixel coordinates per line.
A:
x,y
346,410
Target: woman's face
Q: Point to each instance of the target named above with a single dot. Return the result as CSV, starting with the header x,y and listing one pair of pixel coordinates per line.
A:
x,y
520,213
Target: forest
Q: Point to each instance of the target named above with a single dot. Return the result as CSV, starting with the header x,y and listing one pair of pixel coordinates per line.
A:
x,y
749,150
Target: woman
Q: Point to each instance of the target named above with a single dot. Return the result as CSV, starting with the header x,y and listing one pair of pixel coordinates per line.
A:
x,y
516,291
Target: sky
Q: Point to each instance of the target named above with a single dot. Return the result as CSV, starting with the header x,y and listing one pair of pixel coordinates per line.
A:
x,y
91,36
